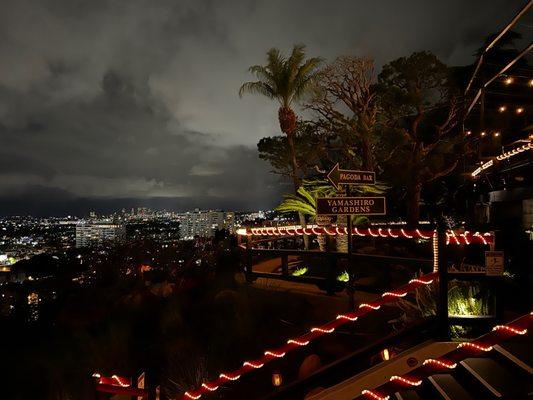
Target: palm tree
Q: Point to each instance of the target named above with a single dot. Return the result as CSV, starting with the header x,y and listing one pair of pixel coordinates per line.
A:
x,y
287,80
304,203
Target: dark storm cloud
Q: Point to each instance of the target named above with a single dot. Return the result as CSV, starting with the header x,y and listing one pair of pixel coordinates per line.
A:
x,y
137,99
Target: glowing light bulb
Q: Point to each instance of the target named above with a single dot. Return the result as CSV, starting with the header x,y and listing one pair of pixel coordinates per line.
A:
x,y
502,109
483,133
530,83
520,110
508,80
468,133
496,134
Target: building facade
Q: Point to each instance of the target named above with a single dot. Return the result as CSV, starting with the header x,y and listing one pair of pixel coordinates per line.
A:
x,y
91,233
205,223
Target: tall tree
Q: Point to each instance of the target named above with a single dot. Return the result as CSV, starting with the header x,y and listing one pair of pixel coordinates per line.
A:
x,y
287,80
420,107
346,104
309,146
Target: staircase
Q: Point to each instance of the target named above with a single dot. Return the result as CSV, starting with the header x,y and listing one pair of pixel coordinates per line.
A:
x,y
503,373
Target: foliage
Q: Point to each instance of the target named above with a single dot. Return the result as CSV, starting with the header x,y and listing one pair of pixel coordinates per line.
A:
x,y
344,277
420,111
283,79
345,102
304,201
467,299
308,144
300,271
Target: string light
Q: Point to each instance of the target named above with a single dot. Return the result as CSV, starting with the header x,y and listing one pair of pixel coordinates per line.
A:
x,y
515,151
496,134
253,365
405,234
365,305
436,251
210,388
292,341
520,110
347,318
274,354
381,232
510,329
439,363
405,380
416,280
374,395
483,133
468,133
322,330
394,294
269,355
230,377
474,346
502,109
433,365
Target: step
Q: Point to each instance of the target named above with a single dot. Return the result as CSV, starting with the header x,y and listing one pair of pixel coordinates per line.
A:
x,y
519,351
505,357
449,388
496,380
408,395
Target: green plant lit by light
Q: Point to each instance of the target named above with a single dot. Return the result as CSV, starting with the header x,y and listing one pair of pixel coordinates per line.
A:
x,y
299,271
467,300
344,277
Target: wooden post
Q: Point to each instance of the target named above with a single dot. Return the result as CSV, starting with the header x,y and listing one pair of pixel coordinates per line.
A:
x,y
285,265
248,262
442,304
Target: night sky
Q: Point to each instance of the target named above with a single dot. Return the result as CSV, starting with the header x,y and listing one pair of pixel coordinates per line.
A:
x,y
111,104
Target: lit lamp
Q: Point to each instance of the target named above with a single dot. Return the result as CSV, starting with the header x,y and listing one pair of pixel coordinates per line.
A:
x,y
496,134
502,109
468,133
385,355
276,379
508,80
530,83
520,110
483,134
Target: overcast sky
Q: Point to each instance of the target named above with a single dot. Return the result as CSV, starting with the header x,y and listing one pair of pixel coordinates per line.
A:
x,y
105,104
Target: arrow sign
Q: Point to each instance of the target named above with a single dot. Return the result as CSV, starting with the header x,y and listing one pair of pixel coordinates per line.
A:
x,y
339,176
350,206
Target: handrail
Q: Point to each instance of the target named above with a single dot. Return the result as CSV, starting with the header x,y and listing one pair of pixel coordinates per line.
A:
x,y
484,343
312,334
344,367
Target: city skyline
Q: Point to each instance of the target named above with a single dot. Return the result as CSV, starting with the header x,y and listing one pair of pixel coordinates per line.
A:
x,y
105,106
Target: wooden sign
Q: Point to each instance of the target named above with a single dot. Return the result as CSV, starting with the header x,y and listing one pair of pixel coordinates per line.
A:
x,y
351,206
339,176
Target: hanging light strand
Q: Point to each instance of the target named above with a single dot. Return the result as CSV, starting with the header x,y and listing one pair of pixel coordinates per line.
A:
x,y
312,334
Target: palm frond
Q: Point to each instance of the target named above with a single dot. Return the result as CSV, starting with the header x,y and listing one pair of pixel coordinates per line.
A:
x,y
257,87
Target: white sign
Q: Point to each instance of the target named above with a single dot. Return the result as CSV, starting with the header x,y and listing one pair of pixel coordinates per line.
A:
x,y
494,263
